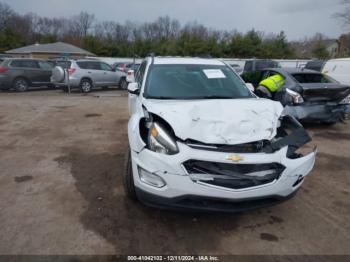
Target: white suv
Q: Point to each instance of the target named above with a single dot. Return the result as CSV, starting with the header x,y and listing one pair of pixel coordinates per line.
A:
x,y
200,139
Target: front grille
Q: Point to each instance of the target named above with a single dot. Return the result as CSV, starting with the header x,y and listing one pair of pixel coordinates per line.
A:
x,y
254,147
233,176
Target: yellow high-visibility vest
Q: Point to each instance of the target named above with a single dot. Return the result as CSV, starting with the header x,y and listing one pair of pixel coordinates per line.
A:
x,y
273,83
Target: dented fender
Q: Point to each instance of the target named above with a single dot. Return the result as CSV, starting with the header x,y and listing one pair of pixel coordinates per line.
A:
x,y
135,141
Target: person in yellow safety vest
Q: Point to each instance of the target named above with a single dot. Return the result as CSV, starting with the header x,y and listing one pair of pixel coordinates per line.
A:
x,y
269,86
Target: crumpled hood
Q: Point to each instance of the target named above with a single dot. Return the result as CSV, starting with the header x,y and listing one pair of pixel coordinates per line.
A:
x,y
220,121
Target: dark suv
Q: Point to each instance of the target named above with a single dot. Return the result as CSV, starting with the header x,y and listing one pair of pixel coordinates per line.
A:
x,y
20,74
253,67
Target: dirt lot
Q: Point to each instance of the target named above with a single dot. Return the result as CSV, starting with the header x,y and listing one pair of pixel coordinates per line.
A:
x,y
61,160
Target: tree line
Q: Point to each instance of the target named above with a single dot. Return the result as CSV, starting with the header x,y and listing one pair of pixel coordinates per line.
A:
x,y
164,36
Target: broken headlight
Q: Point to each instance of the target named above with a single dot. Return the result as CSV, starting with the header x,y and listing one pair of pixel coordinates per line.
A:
x,y
292,134
297,98
160,141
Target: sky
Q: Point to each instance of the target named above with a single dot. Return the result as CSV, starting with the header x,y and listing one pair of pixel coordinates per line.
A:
x,y
298,18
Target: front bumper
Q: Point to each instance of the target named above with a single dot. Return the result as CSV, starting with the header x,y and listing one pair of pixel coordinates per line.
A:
x,y
183,192
319,113
203,204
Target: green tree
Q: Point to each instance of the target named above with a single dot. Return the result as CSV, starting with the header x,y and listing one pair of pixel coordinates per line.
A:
x,y
319,50
277,47
9,39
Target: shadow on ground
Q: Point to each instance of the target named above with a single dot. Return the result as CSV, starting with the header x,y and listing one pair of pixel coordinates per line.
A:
x,y
133,228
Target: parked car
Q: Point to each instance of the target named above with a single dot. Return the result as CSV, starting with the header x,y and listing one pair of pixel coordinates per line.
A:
x,y
200,139
237,68
21,74
311,96
252,69
316,65
339,69
84,74
126,69
119,66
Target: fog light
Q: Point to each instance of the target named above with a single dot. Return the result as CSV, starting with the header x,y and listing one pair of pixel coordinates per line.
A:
x,y
151,179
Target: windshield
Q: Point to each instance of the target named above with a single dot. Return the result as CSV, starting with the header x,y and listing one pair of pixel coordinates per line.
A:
x,y
194,82
260,65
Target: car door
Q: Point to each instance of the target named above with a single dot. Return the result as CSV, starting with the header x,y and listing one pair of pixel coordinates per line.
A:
x,y
33,72
109,77
46,71
91,69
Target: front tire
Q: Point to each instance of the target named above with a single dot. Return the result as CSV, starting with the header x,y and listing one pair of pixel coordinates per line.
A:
x,y
128,179
85,86
20,84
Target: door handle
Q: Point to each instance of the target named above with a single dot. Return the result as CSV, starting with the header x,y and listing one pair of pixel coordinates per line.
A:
x,y
89,72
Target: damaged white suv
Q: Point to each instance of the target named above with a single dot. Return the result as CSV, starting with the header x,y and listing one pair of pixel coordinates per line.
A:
x,y
200,139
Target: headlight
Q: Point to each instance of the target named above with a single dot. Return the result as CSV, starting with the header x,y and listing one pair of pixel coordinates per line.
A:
x,y
160,141
297,98
346,100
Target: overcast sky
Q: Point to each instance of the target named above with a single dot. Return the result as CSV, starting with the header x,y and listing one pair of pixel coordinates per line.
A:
x,y
298,18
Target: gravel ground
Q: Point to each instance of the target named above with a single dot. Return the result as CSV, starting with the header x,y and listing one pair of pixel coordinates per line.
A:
x,y
61,160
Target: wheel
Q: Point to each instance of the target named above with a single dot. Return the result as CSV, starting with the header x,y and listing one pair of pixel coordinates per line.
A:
x,y
85,86
20,84
128,179
124,84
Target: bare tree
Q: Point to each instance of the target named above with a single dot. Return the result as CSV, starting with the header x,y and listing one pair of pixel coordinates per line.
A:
x,y
5,13
82,24
345,15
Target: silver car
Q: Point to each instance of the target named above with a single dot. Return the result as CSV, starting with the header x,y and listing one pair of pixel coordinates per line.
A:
x,y
84,74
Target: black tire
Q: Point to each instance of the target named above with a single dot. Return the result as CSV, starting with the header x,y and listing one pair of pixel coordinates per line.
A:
x,y
128,179
86,86
124,84
20,84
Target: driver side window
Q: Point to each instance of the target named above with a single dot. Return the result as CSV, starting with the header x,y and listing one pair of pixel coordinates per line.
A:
x,y
105,67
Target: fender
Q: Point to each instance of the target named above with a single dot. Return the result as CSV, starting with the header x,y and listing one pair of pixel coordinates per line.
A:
x,y
135,141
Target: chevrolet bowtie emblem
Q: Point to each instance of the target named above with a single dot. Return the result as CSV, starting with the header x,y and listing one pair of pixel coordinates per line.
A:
x,y
235,158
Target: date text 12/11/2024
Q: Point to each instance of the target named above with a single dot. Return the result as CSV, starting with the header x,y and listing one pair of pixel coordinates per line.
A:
x,y
173,258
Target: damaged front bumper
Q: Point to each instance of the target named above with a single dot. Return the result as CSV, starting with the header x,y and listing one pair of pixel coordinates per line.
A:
x,y
328,113
186,190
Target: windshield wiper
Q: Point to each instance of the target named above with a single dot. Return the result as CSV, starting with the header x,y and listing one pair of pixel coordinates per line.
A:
x,y
162,97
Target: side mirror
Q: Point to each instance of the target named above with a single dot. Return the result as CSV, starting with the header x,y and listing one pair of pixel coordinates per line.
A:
x,y
250,87
134,88
130,77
